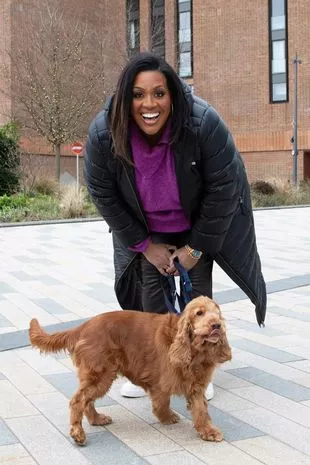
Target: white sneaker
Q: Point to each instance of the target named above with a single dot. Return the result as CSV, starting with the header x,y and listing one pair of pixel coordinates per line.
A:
x,y
132,390
209,392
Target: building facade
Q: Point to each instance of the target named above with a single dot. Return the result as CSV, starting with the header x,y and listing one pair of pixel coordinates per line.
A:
x,y
237,55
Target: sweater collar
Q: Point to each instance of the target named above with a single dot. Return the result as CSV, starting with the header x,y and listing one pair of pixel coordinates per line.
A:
x,y
136,135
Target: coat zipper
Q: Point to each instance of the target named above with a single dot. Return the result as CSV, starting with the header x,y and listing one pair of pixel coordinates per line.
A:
x,y
241,202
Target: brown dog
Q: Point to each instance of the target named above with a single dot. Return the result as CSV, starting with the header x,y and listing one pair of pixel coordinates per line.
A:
x,y
164,354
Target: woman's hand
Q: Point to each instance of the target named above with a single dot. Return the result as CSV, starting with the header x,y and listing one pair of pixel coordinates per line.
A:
x,y
185,259
159,255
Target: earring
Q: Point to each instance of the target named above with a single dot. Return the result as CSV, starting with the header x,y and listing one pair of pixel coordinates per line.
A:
x,y
171,109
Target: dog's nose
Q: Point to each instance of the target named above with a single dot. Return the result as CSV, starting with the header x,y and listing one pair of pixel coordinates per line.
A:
x,y
216,326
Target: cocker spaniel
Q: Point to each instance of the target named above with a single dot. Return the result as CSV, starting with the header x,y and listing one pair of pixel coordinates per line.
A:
x,y
164,354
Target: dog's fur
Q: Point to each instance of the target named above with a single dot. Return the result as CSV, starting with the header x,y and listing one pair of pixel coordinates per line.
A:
x,y
164,354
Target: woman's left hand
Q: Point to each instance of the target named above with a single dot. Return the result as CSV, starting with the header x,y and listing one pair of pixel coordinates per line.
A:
x,y
184,258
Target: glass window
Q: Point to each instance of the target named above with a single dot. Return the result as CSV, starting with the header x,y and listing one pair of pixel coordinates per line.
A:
x,y
133,27
278,8
185,20
185,69
185,27
158,27
133,34
278,51
279,92
278,56
277,22
277,15
185,37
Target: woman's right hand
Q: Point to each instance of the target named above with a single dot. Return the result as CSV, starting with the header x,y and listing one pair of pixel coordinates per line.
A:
x,y
159,255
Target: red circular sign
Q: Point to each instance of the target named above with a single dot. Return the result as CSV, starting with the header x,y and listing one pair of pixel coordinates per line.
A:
x,y
77,148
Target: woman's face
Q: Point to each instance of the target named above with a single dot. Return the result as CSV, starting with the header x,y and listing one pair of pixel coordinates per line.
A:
x,y
151,102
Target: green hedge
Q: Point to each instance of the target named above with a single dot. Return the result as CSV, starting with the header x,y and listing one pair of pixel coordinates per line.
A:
x,y
9,159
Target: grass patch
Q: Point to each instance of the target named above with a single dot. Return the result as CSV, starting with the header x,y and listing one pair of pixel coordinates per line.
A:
x,y
46,201
274,193
34,206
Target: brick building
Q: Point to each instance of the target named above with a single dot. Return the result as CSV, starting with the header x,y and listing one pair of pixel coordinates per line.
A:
x,y
237,55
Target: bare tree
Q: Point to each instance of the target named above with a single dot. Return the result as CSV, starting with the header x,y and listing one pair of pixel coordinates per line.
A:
x,y
33,169
57,74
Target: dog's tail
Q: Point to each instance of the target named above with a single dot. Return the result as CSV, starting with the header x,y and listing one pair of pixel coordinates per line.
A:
x,y
52,342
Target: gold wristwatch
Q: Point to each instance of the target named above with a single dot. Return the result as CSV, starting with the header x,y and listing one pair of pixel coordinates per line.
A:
x,y
195,254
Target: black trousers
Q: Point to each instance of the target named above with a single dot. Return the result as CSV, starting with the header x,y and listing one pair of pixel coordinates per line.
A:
x,y
152,281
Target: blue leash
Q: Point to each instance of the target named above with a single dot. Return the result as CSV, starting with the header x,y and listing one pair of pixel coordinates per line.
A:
x,y
186,290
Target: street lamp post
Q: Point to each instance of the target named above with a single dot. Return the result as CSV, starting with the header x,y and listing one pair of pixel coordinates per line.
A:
x,y
296,61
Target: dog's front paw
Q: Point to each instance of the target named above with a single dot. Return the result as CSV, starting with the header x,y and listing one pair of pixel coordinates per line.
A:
x,y
78,434
211,433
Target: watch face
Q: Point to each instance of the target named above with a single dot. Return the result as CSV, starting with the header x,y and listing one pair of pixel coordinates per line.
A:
x,y
196,253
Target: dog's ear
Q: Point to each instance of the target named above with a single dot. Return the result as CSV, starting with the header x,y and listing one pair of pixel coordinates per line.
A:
x,y
180,349
223,353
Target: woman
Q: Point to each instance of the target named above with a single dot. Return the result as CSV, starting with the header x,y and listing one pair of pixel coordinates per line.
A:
x,y
163,171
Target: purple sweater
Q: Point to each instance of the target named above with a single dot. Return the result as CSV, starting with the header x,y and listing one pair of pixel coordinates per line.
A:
x,y
157,185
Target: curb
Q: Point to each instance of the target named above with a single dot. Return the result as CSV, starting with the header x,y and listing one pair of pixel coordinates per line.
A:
x,y
42,222
282,207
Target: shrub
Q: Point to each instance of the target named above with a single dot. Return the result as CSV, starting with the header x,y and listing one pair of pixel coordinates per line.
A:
x,y
23,207
284,193
14,207
263,187
46,187
14,201
9,159
72,202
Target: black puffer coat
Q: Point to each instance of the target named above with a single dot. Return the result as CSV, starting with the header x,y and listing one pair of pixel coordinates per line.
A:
x,y
214,193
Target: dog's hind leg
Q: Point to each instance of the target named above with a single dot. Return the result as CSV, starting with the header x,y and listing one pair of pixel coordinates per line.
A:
x,y
93,385
76,415
94,418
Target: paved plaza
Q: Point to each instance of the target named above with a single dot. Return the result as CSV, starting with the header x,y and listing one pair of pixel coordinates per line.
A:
x,y
62,274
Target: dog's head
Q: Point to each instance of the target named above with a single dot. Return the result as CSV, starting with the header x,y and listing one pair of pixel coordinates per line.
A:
x,y
200,328
204,320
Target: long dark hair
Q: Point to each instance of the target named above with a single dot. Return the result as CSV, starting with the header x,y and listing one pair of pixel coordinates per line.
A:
x,y
121,109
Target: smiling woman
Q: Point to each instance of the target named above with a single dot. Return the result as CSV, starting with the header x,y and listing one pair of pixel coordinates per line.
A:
x,y
163,171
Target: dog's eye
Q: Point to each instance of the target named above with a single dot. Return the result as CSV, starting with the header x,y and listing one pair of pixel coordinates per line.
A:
x,y
199,313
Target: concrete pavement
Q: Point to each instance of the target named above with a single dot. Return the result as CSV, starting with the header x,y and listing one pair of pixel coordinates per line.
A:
x,y
63,273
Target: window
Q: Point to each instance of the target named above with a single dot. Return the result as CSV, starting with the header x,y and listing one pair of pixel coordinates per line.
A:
x,y
278,51
185,46
133,34
158,27
133,27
